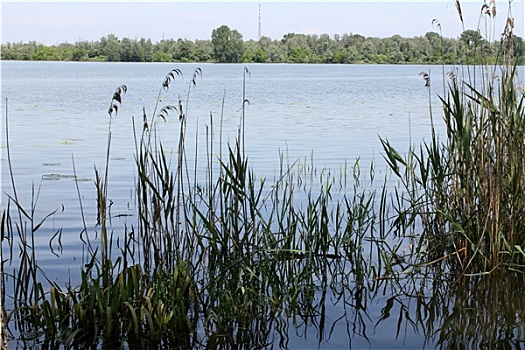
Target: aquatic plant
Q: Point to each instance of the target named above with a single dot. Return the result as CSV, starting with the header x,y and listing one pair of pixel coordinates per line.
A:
x,y
216,258
222,258
468,191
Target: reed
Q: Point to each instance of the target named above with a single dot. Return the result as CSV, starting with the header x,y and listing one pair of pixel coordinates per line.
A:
x,y
223,258
215,259
467,191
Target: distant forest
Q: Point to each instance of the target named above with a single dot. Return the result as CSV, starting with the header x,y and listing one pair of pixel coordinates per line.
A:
x,y
227,45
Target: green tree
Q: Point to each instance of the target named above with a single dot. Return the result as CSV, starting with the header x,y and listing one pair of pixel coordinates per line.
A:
x,y
369,51
275,49
110,45
203,50
45,53
164,51
476,49
471,38
297,48
130,51
184,50
227,44
248,54
260,56
146,47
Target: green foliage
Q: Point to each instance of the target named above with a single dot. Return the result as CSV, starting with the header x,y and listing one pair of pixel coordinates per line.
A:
x,y
471,38
45,54
227,45
469,191
228,261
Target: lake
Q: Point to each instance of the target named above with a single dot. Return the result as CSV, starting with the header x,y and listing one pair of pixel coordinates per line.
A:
x,y
331,113
327,115
334,113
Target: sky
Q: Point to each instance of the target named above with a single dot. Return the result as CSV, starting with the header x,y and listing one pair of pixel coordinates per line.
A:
x,y
71,21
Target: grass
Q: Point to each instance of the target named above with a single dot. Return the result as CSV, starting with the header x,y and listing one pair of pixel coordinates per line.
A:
x,y
223,258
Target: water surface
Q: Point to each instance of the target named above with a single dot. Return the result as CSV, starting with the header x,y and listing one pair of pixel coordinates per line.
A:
x,y
58,128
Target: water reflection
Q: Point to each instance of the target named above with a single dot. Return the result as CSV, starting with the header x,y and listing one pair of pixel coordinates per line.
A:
x,y
485,311
326,305
290,283
481,312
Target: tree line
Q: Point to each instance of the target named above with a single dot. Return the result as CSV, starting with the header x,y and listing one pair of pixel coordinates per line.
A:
x,y
227,45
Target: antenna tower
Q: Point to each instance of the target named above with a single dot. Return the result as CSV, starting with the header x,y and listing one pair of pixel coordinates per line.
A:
x,y
259,33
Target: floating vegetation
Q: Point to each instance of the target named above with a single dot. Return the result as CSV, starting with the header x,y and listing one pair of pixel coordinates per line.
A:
x,y
69,140
56,177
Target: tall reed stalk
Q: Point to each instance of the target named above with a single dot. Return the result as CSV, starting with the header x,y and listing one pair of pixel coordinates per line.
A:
x,y
468,192
214,262
224,258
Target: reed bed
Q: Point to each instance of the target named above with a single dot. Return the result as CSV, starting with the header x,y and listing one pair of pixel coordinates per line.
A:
x,y
215,259
465,189
222,258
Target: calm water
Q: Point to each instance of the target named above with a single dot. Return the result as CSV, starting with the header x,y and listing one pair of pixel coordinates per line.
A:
x,y
333,113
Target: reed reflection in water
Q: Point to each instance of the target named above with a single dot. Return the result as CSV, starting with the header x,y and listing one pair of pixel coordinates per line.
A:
x,y
229,261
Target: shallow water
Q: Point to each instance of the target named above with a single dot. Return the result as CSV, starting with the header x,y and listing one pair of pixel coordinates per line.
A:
x,y
57,114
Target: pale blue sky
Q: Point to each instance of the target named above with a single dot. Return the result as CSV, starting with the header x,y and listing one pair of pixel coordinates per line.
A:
x,y
71,21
